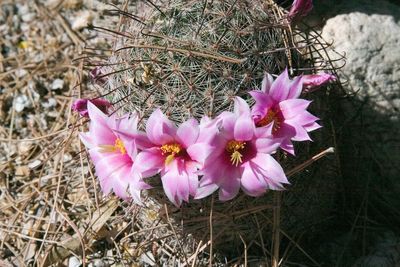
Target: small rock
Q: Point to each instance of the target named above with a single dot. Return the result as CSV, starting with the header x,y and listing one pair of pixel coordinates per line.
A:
x,y
74,262
21,73
57,84
82,20
21,102
35,164
51,102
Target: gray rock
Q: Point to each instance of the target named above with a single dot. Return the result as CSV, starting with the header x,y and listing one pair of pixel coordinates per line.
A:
x,y
371,44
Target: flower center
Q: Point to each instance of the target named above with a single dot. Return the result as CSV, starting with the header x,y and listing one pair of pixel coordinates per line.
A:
x,y
171,150
235,149
271,116
117,147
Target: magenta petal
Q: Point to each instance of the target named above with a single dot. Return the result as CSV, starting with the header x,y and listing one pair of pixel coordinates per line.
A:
x,y
149,162
280,88
292,107
267,83
228,124
303,118
250,183
241,107
244,128
188,132
300,8
295,88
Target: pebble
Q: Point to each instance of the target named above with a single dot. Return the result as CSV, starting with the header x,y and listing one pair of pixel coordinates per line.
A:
x,y
74,262
35,164
57,84
21,102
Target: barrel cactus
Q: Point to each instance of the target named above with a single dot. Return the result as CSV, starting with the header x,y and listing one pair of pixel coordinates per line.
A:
x,y
190,59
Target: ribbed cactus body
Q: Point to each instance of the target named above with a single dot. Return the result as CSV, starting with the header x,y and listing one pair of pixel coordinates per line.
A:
x,y
192,58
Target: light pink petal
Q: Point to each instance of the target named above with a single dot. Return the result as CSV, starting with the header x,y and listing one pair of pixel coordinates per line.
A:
x,y
160,130
107,163
301,133
303,118
205,191
267,145
229,188
244,128
241,107
127,123
280,88
312,126
315,80
267,83
272,169
265,131
251,185
293,107
149,162
287,145
228,124
141,140
295,88
188,132
176,184
99,127
200,151
86,139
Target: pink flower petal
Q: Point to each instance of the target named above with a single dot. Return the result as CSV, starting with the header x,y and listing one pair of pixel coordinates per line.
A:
x,y
251,185
188,132
287,145
295,88
316,80
301,133
229,188
86,140
241,108
205,191
267,83
99,127
280,89
300,8
149,162
200,151
292,107
312,126
272,169
159,129
244,128
267,145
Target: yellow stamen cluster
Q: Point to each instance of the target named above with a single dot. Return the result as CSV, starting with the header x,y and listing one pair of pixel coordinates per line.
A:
x,y
118,146
234,148
171,150
271,116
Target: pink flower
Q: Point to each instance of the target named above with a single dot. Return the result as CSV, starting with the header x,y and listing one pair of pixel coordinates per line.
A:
x,y
80,105
300,8
316,80
279,111
175,153
112,154
240,158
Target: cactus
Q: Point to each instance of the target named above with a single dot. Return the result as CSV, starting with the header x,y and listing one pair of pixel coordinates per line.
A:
x,y
192,58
